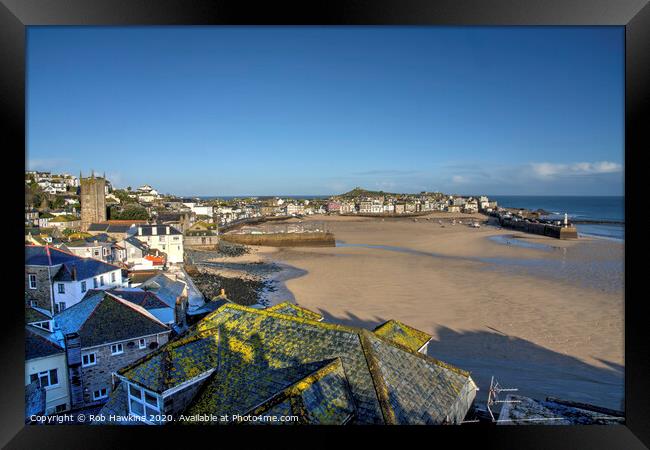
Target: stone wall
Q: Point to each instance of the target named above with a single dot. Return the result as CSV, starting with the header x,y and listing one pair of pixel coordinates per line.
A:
x,y
283,239
99,376
43,292
204,242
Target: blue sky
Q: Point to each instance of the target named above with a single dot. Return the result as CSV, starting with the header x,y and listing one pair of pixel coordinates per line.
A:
x,y
320,110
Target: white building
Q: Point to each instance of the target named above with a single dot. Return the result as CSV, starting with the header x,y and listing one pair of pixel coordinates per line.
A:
x,y
165,238
74,278
45,366
201,210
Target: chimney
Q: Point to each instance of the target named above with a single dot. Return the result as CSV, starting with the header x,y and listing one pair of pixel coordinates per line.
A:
x,y
167,230
74,273
139,231
154,230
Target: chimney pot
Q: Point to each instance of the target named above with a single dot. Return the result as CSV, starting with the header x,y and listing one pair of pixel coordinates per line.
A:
x,y
139,231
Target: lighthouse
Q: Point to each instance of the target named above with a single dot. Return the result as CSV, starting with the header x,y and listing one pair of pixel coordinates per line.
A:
x,y
566,220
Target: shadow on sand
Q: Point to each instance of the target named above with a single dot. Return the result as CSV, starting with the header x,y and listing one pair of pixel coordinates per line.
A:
x,y
536,371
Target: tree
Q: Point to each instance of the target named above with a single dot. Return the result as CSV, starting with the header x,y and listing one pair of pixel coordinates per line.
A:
x,y
130,212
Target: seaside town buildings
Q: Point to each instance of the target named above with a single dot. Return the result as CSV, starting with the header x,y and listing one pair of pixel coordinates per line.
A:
x,y
103,297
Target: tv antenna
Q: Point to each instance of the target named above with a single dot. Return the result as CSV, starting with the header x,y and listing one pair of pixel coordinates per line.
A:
x,y
493,393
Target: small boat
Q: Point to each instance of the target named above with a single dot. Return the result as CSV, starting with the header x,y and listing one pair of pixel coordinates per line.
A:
x,y
475,225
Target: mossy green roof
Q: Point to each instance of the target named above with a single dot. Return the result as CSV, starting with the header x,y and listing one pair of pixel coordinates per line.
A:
x,y
291,309
256,355
402,334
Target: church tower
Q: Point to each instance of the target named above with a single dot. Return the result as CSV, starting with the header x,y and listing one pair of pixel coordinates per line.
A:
x,y
93,200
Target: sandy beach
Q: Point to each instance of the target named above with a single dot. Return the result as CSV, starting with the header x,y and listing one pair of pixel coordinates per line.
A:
x,y
539,314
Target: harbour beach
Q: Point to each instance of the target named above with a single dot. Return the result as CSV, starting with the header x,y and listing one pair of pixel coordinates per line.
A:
x,y
546,318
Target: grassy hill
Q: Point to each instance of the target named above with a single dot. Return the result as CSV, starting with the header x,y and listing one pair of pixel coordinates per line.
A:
x,y
360,192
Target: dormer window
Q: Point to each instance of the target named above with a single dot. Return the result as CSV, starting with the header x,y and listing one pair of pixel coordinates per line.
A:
x,y
143,403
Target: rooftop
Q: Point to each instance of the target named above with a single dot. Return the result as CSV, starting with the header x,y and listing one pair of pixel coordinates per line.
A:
x,y
265,362
101,317
40,343
403,334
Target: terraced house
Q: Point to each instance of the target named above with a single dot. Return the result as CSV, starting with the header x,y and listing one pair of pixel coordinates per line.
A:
x,y
286,361
45,362
56,279
102,334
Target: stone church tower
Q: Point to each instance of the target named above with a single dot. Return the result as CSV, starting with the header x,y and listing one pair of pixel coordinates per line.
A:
x,y
93,200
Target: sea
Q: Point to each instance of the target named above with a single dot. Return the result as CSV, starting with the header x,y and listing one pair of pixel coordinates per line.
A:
x,y
610,210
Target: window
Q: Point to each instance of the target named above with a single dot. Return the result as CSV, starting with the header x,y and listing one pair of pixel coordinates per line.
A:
x,y
143,403
142,343
32,281
44,325
117,349
113,277
33,303
48,378
89,359
60,408
60,306
96,252
95,283
161,239
101,280
83,286
61,288
175,238
100,394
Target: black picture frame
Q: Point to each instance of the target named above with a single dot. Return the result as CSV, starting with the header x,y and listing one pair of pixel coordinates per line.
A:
x,y
634,15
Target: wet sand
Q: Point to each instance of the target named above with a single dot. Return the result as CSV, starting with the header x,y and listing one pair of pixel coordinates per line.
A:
x,y
545,318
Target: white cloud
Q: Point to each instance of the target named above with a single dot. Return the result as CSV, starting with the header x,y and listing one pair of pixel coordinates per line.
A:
x,y
548,170
458,179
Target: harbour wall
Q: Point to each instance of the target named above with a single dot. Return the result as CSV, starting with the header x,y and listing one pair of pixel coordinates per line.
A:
x,y
283,239
543,229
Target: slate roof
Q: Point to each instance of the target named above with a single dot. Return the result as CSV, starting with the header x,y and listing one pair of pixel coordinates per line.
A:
x,y
34,314
166,289
209,306
109,227
402,334
146,299
85,268
102,317
36,255
39,343
160,230
136,243
291,309
267,363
